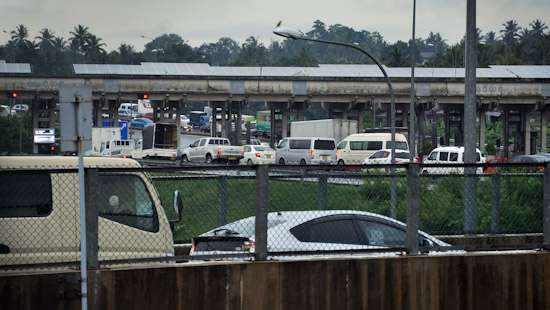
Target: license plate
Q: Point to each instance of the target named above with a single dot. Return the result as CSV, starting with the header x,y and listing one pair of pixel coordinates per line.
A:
x,y
325,157
268,156
232,158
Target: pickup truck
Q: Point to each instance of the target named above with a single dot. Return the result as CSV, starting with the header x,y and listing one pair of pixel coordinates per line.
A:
x,y
209,150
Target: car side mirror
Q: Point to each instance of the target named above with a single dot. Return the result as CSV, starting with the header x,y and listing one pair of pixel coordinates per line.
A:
x,y
178,209
191,145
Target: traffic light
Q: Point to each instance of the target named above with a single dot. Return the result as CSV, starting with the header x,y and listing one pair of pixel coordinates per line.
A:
x,y
12,94
143,96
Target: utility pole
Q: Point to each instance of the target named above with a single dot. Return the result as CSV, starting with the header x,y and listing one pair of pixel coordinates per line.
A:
x,y
412,105
470,107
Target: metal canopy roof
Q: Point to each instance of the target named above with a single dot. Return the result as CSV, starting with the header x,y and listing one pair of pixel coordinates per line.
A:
x,y
322,71
14,67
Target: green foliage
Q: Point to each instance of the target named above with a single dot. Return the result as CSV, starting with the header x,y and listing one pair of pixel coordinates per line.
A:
x,y
53,55
16,128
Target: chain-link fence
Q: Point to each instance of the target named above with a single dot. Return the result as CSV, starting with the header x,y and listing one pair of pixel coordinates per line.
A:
x,y
169,215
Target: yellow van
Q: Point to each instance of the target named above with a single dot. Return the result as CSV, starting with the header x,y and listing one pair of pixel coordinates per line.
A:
x,y
356,147
39,211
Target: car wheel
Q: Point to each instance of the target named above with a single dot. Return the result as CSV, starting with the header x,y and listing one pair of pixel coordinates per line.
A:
x,y
341,162
208,159
249,162
281,161
303,162
184,159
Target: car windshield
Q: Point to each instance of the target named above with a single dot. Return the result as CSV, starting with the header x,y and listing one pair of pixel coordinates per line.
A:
x,y
262,149
403,155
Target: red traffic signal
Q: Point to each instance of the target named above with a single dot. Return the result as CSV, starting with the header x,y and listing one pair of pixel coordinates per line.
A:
x,y
143,96
12,94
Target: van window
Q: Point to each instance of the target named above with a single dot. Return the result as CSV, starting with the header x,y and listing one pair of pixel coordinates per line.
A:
x,y
323,145
373,145
399,145
342,145
453,157
300,144
478,157
283,144
25,195
213,141
203,142
124,199
444,156
356,145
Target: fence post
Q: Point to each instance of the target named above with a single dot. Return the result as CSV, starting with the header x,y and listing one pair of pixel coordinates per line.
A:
x,y
92,215
469,195
222,197
546,212
262,201
323,192
412,208
495,203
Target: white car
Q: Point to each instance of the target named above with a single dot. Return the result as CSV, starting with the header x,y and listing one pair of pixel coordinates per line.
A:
x,y
384,157
184,123
19,108
311,231
450,155
257,155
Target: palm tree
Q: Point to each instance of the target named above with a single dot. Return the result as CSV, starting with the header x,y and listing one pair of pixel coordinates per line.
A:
x,y
19,36
59,43
510,33
538,28
46,38
79,38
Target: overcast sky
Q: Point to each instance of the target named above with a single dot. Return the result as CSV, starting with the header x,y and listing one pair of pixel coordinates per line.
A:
x,y
199,21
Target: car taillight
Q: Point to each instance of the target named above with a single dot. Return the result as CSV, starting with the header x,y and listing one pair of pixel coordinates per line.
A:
x,y
192,251
249,246
242,151
311,153
258,154
219,150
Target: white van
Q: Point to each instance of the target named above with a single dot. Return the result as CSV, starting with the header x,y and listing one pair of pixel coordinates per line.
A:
x,y
354,149
449,155
39,211
128,110
306,151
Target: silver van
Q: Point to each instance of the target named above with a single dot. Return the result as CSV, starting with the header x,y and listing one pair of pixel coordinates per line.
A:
x,y
306,151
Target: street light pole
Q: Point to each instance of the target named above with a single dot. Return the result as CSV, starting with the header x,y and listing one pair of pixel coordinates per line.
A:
x,y
297,35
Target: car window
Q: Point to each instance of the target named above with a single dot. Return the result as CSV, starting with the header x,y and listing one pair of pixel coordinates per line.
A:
x,y
261,148
25,195
356,145
374,145
247,149
323,144
213,141
301,144
283,144
124,199
478,157
342,145
444,156
399,145
433,156
328,231
203,142
402,155
196,143
381,234
453,156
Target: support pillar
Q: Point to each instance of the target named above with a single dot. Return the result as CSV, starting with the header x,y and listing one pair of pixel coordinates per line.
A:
x,y
115,112
238,121
300,112
421,131
179,107
388,116
360,120
434,129
505,132
36,111
373,108
99,112
272,135
543,130
527,132
482,131
284,113
447,123
224,120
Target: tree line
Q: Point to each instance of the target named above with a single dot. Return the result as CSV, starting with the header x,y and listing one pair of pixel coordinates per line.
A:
x,y
51,54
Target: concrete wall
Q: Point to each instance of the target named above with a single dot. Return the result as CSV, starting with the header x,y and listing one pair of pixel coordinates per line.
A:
x,y
492,281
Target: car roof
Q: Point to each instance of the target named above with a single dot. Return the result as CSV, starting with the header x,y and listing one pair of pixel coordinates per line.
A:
x,y
379,135
451,149
63,162
396,150
316,138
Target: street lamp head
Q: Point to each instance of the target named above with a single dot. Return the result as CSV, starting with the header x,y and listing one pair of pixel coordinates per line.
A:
x,y
287,32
